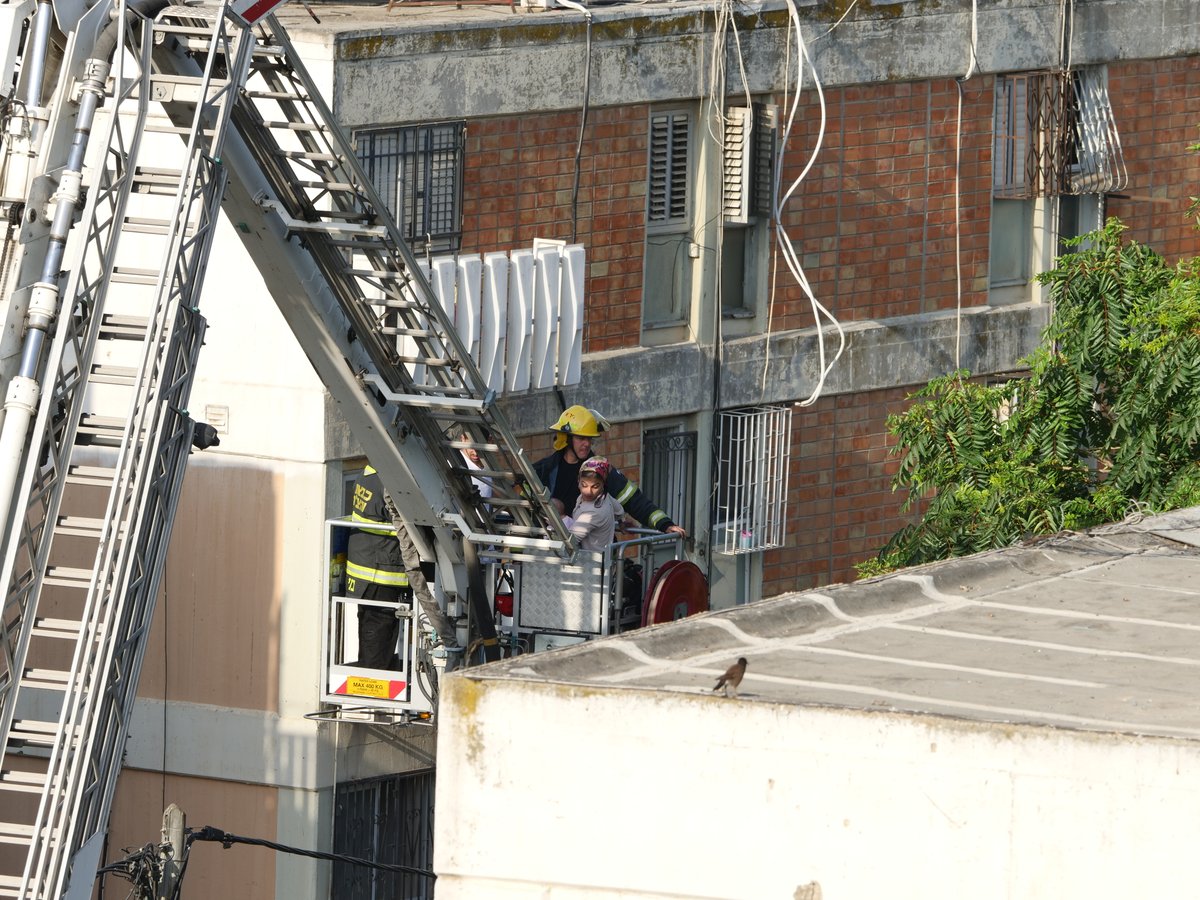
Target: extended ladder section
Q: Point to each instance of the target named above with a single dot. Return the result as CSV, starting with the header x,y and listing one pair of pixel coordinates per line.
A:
x,y
364,312
198,113
88,534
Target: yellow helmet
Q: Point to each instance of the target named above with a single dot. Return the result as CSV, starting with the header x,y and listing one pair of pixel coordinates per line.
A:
x,y
578,420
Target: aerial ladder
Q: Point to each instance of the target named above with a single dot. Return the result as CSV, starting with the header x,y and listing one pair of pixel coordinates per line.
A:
x,y
100,344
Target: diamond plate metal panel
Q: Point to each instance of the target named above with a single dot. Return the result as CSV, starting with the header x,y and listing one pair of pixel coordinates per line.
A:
x,y
559,597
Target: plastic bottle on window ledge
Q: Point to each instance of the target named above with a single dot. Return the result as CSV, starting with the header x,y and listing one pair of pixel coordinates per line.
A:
x,y
746,539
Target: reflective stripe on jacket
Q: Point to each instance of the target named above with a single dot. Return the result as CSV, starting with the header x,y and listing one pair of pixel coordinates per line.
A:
x,y
373,554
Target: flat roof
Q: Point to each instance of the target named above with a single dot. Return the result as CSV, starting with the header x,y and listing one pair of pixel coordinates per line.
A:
x,y
1097,631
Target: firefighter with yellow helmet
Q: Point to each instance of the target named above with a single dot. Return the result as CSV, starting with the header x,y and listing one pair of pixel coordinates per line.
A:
x,y
559,472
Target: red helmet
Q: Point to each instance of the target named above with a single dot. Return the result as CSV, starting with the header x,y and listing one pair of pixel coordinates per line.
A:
x,y
596,465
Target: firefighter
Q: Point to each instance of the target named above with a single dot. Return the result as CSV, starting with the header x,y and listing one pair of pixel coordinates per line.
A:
x,y
375,571
559,472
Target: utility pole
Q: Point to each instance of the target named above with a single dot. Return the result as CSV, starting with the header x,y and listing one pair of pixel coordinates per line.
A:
x,y
172,850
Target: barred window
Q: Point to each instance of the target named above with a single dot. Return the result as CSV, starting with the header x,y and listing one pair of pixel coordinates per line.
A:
x,y
417,171
388,820
669,472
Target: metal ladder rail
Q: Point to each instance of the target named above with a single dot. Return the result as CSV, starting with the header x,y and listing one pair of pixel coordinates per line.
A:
x,y
328,214
141,545
458,408
54,431
54,434
39,491
137,528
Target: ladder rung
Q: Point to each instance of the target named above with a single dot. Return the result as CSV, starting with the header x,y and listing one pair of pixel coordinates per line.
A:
x,y
46,679
15,833
30,782
164,78
123,375
340,186
79,526
143,225
309,155
28,732
192,38
129,275
396,303
375,273
10,885
277,95
154,175
434,362
295,126
96,476
126,327
68,629
65,576
104,426
444,390
410,332
178,129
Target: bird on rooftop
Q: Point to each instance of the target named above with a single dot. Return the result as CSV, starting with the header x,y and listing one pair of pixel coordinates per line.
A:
x,y
732,677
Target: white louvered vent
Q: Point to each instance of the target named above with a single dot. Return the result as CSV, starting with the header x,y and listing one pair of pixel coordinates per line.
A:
x,y
749,161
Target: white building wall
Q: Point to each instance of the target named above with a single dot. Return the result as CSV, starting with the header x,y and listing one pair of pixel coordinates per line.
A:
x,y
550,791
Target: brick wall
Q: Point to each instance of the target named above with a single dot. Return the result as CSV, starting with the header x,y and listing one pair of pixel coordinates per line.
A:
x,y
518,185
1157,111
841,508
873,221
874,225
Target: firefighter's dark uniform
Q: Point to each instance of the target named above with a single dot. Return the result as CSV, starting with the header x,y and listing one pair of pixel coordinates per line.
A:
x,y
375,571
561,479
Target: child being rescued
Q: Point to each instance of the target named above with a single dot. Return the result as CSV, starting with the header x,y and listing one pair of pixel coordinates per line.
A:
x,y
597,513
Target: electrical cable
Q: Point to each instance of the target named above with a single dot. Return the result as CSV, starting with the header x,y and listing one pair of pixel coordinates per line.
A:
x,y
783,239
835,24
958,83
583,117
958,291
227,840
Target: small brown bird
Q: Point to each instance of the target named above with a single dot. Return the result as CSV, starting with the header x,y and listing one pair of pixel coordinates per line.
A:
x,y
732,677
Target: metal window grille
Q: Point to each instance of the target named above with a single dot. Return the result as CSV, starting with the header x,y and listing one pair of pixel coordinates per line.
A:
x,y
667,197
417,170
388,820
1054,134
1011,157
669,473
754,446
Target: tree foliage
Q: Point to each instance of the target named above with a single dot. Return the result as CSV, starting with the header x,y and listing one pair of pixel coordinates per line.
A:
x,y
1107,421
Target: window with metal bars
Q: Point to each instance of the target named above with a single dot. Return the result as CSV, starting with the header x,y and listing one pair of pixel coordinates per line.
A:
x,y
387,820
1054,134
417,171
669,472
753,454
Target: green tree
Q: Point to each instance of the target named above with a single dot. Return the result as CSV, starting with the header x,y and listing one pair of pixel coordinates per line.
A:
x,y
1107,421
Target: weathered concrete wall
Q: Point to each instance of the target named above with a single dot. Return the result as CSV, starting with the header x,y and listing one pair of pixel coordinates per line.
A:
x,y
646,794
677,379
493,62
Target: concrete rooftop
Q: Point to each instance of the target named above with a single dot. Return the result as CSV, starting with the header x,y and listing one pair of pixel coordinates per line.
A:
x,y
1096,631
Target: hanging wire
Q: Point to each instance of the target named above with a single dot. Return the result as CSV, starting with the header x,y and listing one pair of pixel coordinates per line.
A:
x,y
786,247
